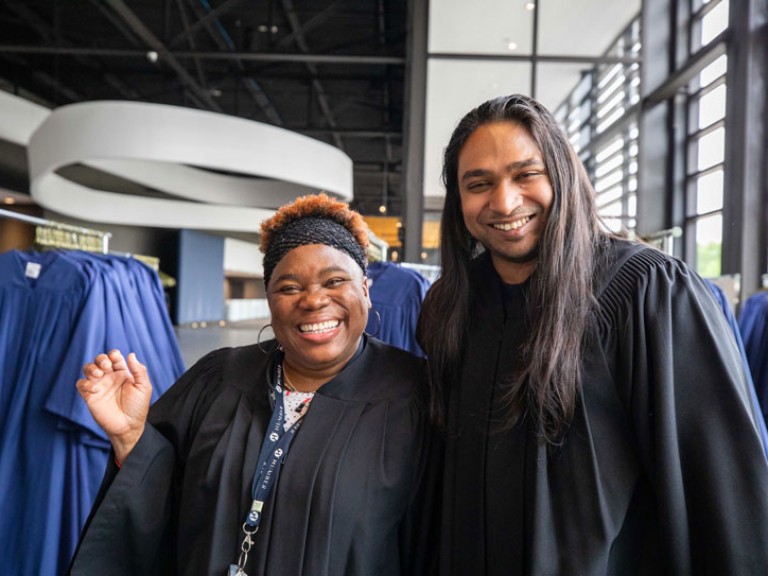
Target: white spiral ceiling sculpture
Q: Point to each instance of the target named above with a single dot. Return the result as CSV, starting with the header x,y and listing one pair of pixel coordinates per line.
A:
x,y
172,149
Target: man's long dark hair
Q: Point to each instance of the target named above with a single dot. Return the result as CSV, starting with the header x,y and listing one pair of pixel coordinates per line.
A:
x,y
561,287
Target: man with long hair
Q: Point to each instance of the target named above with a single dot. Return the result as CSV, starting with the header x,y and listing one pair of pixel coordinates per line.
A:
x,y
596,414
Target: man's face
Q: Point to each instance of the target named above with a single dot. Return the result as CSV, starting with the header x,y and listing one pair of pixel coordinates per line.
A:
x,y
506,196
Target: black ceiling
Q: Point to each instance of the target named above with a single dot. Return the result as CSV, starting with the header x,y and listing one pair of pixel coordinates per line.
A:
x,y
331,69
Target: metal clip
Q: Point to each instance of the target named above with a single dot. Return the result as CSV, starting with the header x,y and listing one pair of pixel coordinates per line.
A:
x,y
245,548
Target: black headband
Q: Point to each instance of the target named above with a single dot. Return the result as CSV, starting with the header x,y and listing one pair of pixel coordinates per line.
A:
x,y
311,230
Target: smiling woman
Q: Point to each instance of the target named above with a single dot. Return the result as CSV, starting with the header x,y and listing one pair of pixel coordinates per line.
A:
x,y
314,270
302,455
319,301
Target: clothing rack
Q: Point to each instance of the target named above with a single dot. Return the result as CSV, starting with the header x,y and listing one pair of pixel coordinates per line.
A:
x,y
51,234
663,239
151,261
429,271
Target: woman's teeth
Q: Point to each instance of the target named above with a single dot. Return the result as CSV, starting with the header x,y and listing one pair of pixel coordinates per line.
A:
x,y
319,327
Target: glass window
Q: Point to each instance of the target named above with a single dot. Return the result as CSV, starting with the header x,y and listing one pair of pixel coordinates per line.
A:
x,y
501,27
713,71
609,165
712,106
607,197
710,149
603,184
706,144
709,245
598,106
714,22
709,192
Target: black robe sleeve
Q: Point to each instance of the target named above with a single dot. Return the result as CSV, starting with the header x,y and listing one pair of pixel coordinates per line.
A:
x,y
681,378
130,530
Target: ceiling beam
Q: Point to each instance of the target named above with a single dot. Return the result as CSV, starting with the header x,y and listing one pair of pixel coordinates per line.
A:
x,y
191,41
165,55
318,89
557,58
386,104
218,33
339,59
116,22
57,86
306,58
315,22
50,34
209,18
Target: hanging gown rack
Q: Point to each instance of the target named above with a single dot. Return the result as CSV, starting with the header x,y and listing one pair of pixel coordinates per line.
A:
x,y
151,261
429,271
51,234
663,239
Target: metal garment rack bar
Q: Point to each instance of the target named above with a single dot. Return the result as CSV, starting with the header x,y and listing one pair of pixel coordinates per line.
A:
x,y
103,237
663,239
430,271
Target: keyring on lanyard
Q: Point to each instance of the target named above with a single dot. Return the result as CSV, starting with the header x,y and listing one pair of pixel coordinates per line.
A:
x,y
245,548
273,450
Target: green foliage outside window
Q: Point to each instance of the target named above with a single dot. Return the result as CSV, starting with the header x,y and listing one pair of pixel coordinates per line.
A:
x,y
708,258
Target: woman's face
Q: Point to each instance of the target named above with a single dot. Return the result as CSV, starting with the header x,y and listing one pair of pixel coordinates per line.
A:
x,y
319,302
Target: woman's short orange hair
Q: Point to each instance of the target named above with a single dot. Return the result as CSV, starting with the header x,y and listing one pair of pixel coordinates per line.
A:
x,y
319,206
315,219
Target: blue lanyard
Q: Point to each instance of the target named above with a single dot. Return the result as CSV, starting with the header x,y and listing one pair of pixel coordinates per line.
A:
x,y
274,449
273,452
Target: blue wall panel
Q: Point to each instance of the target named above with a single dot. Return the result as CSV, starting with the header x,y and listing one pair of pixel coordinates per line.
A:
x,y
200,288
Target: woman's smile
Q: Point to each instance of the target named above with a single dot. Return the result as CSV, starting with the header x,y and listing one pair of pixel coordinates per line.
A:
x,y
318,297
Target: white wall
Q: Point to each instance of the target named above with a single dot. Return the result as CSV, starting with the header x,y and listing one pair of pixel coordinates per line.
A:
x,y
243,257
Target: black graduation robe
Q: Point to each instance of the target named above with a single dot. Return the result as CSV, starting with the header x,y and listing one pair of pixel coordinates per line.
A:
x,y
662,470
347,496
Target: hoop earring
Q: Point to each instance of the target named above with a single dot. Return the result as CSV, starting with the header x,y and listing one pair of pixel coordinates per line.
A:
x,y
258,341
378,326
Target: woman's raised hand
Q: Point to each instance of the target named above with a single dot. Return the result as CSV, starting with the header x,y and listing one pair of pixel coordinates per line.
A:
x,y
118,392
